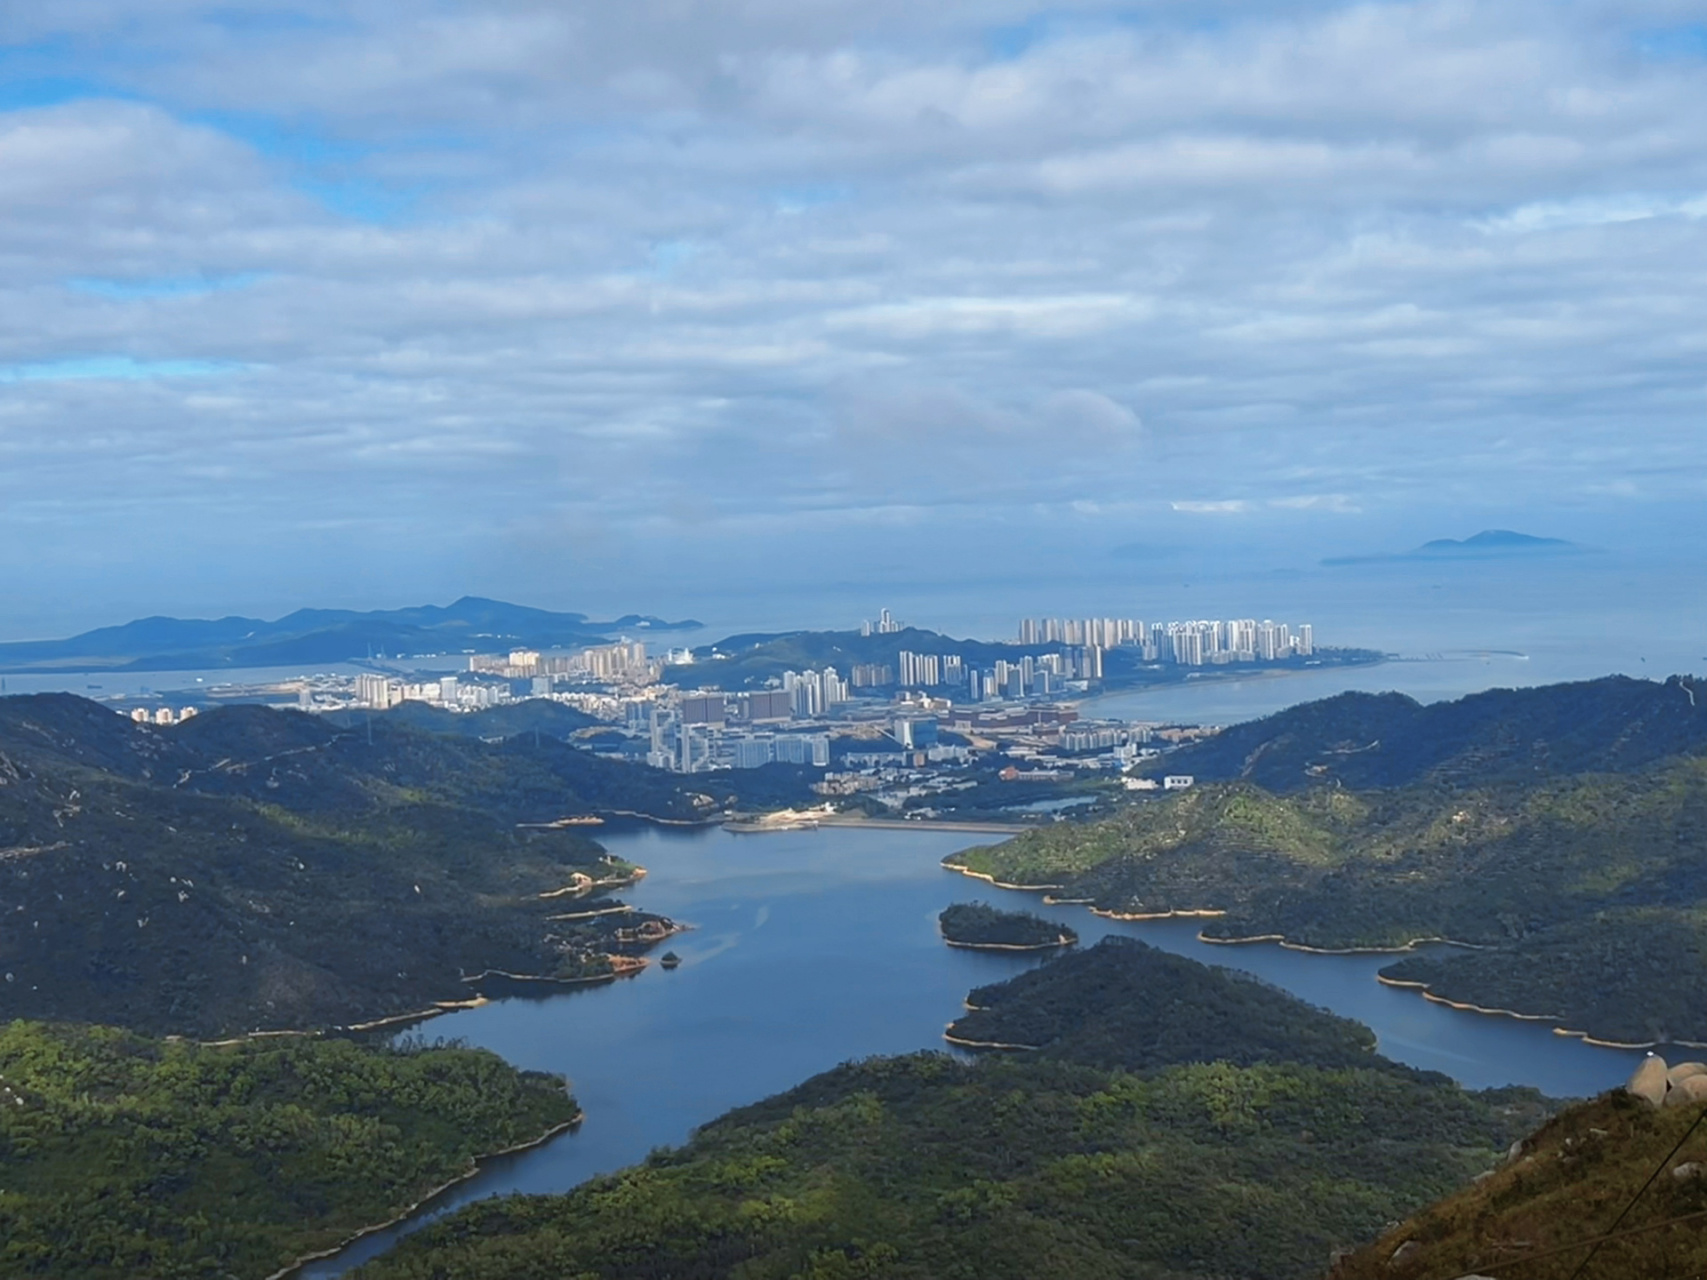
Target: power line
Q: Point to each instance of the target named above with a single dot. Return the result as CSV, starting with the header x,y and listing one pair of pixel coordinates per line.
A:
x,y
1612,1232
1658,1169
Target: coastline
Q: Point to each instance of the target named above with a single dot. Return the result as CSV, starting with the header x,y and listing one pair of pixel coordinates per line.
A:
x,y
990,879
621,967
1282,941
1062,941
320,1255
908,824
1197,676
1175,913
1422,989
958,1042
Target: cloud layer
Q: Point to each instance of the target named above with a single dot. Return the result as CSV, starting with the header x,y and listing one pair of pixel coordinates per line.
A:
x,y
454,279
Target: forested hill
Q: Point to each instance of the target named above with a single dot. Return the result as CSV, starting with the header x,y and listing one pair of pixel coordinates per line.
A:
x,y
1214,1160
124,1158
258,868
1365,740
1123,1004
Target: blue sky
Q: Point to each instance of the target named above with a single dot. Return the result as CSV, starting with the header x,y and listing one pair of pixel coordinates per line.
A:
x,y
606,305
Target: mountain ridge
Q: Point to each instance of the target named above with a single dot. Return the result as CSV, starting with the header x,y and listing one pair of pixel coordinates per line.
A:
x,y
161,643
1489,544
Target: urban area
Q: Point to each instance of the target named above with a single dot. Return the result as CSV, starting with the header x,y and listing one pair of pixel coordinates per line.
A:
x,y
898,727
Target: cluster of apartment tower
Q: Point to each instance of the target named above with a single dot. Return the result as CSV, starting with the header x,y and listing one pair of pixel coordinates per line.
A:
x,y
1202,642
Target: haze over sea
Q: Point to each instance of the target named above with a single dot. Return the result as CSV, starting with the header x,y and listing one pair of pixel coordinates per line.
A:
x,y
1455,627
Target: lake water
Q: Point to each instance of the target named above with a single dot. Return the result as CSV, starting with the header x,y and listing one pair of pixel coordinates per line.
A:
x,y
814,947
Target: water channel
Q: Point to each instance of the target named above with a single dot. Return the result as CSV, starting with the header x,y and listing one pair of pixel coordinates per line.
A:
x,y
814,947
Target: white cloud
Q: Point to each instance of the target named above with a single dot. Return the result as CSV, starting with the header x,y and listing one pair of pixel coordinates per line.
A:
x,y
654,261
1217,507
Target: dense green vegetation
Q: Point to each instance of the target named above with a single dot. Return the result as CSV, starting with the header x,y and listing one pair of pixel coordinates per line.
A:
x,y
1124,1004
1363,740
1589,887
123,1158
1537,1216
1632,974
255,868
978,924
1033,1167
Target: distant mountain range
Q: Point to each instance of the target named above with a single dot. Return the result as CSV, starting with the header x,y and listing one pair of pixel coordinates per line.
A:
x,y
1487,545
321,635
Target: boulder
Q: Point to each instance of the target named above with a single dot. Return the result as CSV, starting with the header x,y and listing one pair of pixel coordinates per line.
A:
x,y
1688,1092
1404,1253
1687,1171
1684,1070
1649,1081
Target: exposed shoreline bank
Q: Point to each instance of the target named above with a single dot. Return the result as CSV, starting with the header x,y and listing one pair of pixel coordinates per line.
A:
x,y
320,1255
1282,941
1057,945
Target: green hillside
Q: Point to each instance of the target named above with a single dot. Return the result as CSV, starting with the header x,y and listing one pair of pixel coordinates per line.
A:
x,y
1033,1167
256,868
1364,740
1587,891
124,1158
1613,1162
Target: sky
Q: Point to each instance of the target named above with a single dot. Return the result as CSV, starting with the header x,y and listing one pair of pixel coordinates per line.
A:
x,y
616,306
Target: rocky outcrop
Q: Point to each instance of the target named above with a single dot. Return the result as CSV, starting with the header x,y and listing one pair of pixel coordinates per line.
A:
x,y
1661,1086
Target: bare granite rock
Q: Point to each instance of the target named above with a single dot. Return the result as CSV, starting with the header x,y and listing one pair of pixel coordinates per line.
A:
x,y
1688,1092
1649,1081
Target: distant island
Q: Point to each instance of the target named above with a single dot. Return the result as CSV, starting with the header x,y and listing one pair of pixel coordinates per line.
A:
x,y
1489,544
979,925
323,636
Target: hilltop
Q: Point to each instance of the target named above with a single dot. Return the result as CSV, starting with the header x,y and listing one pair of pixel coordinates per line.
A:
x,y
471,624
1364,740
1124,1004
259,868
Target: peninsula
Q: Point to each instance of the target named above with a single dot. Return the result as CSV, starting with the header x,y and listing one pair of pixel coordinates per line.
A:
x,y
258,869
1556,830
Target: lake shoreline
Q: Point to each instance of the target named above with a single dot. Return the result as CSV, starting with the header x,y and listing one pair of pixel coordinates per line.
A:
x,y
479,1162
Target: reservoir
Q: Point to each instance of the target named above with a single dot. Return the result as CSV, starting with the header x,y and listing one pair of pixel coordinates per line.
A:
x,y
813,947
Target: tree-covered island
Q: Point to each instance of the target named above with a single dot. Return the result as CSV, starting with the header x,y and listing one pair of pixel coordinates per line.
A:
x,y
978,924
